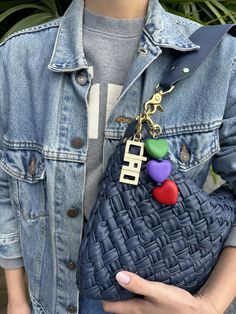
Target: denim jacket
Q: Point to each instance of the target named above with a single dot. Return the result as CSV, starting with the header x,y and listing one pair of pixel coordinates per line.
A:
x,y
44,140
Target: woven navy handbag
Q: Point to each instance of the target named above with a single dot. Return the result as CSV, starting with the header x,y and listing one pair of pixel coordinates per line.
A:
x,y
161,226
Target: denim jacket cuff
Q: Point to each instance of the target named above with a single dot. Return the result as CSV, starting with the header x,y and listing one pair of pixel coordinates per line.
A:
x,y
11,263
10,246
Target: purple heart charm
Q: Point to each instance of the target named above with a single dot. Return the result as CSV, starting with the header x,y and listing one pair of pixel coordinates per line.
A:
x,y
159,171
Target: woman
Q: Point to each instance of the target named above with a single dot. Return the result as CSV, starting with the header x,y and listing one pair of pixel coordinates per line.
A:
x,y
70,87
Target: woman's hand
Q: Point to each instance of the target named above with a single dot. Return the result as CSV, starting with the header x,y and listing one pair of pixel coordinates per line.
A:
x,y
159,298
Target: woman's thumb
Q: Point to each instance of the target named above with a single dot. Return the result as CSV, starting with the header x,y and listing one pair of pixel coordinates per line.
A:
x,y
135,284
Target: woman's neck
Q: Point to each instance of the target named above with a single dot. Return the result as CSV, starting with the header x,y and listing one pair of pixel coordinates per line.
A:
x,y
126,9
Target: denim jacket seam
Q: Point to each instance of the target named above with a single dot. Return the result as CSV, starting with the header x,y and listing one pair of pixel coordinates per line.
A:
x,y
234,65
178,130
77,158
59,156
51,155
22,144
9,235
33,29
37,305
195,128
35,146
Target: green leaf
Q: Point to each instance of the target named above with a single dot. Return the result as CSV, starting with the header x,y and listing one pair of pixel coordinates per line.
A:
x,y
215,11
21,7
5,5
224,9
208,14
184,15
195,11
205,12
186,8
29,21
214,176
51,4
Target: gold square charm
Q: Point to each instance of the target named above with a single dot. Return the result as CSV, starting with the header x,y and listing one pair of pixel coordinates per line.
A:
x,y
130,173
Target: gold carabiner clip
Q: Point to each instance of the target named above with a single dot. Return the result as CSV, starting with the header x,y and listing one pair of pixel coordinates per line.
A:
x,y
154,102
167,91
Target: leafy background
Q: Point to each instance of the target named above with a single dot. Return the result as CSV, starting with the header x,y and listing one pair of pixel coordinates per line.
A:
x,y
19,14
16,15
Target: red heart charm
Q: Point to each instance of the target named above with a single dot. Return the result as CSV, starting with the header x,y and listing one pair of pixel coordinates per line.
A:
x,y
167,193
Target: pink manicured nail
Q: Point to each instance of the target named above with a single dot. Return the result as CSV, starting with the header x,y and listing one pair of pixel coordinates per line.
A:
x,y
122,278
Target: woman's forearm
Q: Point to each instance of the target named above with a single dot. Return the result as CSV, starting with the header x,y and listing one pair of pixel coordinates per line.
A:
x,y
17,299
15,280
221,285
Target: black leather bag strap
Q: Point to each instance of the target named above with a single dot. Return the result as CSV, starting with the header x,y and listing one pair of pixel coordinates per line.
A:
x,y
184,65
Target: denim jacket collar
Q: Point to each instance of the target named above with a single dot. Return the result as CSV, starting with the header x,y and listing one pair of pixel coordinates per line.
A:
x,y
68,54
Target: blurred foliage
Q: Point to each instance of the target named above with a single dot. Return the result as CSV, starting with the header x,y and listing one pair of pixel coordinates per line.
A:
x,y
16,15
204,12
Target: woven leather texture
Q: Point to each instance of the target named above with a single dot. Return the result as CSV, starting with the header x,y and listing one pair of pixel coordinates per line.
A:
x,y
129,230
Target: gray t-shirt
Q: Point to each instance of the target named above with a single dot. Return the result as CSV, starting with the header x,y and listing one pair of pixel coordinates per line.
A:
x,y
110,45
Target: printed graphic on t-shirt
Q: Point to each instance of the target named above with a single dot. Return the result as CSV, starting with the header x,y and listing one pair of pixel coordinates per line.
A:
x,y
93,111
113,92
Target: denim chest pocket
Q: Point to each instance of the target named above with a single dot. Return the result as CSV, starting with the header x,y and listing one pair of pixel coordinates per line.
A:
x,y
26,169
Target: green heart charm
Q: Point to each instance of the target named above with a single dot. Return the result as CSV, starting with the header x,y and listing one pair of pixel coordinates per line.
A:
x,y
157,149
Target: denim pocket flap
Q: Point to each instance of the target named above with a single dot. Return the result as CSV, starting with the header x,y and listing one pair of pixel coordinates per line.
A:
x,y
188,150
24,164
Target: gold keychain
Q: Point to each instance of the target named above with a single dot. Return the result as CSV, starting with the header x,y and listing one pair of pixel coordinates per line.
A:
x,y
130,173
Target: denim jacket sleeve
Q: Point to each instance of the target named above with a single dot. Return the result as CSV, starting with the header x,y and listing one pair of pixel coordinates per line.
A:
x,y
224,162
10,247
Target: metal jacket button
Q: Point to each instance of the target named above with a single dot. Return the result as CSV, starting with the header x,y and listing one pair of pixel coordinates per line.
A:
x,y
77,142
142,50
72,212
32,167
123,119
71,309
81,79
184,154
71,265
